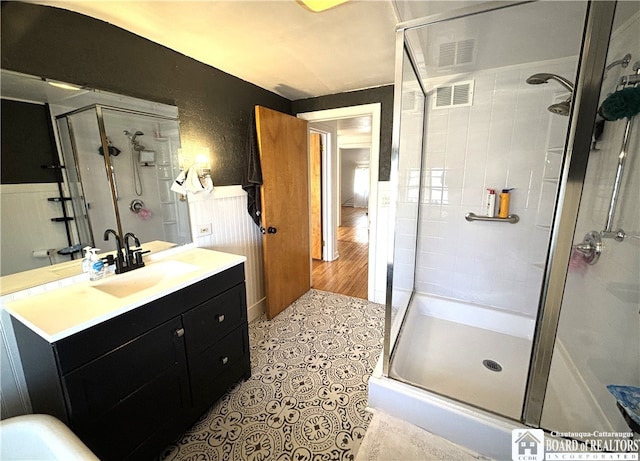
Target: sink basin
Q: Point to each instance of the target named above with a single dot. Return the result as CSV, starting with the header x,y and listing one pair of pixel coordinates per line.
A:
x,y
40,437
126,284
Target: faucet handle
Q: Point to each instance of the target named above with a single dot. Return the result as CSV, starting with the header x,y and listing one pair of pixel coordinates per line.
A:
x,y
139,262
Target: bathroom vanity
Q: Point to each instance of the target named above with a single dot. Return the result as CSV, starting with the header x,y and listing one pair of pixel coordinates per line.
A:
x,y
132,361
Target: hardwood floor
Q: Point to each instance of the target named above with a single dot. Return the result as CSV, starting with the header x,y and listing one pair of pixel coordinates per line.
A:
x,y
347,275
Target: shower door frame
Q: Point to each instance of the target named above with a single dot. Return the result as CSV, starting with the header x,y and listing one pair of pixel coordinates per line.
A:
x,y
592,61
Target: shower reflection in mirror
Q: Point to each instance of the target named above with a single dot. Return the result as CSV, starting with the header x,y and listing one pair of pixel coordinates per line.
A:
x,y
91,143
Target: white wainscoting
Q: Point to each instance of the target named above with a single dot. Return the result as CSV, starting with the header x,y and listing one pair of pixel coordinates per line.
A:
x,y
224,213
24,205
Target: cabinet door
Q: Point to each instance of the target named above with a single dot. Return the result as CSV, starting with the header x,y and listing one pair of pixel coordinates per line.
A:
x,y
134,396
209,322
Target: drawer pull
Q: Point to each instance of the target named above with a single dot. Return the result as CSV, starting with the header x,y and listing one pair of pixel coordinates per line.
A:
x,y
220,318
224,360
180,332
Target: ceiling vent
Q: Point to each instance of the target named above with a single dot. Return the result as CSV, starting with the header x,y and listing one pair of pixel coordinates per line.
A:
x,y
453,95
456,53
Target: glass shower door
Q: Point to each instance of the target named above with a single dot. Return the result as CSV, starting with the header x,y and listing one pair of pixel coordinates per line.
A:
x,y
598,339
409,170
82,231
91,193
492,122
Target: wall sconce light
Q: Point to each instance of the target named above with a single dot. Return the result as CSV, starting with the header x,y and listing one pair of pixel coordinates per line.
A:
x,y
62,85
203,162
195,171
318,6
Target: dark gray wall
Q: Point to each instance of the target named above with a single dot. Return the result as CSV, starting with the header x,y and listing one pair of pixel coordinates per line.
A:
x,y
382,94
214,107
26,143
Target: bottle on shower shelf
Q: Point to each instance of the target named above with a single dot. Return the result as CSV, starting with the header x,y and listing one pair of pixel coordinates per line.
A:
x,y
490,203
503,210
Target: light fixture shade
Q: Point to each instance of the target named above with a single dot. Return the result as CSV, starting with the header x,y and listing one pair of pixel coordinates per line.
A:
x,y
321,5
64,86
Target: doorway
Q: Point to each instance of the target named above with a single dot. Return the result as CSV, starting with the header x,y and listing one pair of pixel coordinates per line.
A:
x,y
345,274
350,140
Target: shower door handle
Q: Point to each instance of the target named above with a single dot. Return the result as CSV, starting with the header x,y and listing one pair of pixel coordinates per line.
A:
x,y
115,182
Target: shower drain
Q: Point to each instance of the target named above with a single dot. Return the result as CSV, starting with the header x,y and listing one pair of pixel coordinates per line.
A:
x,y
492,365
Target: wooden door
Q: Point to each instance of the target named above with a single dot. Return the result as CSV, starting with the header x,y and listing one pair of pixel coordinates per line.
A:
x,y
282,143
315,157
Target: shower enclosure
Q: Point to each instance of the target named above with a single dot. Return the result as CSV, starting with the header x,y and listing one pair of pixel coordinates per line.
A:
x,y
480,323
123,163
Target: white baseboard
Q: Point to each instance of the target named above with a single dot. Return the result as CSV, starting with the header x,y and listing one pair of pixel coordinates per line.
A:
x,y
255,311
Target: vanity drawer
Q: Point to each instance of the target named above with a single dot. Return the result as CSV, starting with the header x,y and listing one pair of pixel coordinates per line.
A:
x,y
209,322
216,368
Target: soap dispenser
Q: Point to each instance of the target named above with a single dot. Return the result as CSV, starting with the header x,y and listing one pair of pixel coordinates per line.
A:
x,y
86,262
97,266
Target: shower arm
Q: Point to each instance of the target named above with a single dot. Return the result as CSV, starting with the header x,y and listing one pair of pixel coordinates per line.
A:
x,y
624,62
564,82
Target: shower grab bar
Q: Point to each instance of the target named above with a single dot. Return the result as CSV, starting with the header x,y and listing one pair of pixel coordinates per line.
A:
x,y
512,218
608,231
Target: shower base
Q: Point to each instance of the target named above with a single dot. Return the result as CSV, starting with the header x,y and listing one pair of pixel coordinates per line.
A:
x,y
441,383
470,353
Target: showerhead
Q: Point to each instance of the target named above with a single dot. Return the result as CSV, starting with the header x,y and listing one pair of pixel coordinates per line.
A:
x,y
561,108
133,136
537,79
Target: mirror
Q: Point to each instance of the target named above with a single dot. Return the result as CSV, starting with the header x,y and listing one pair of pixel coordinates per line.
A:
x,y
58,186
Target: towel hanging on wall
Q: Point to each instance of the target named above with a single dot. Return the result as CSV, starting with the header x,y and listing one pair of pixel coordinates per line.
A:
x,y
252,179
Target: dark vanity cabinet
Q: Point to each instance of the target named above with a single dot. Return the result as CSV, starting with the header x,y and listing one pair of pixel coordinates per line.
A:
x,y
132,384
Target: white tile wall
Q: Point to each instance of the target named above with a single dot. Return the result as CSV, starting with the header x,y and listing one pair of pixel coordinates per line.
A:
x,y
501,141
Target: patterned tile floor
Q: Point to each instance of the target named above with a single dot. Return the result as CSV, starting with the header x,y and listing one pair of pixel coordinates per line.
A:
x,y
307,397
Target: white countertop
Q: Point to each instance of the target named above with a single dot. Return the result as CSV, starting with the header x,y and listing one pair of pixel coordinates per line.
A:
x,y
35,277
61,312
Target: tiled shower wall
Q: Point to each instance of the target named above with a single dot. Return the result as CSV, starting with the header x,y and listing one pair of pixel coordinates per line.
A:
x,y
505,139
